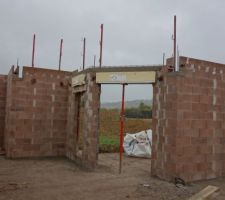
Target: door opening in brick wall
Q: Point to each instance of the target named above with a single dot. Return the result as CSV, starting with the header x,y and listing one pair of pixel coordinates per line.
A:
x,y
138,112
109,119
80,123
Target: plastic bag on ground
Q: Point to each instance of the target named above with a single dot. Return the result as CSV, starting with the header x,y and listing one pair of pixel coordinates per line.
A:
x,y
138,144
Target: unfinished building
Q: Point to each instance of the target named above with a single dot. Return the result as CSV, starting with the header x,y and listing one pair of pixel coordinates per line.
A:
x,y
39,116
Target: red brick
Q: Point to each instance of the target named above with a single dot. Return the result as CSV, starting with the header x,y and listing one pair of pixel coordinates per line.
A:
x,y
198,124
183,141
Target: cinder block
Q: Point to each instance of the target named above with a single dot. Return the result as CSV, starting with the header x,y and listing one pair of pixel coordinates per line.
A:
x,y
35,123
196,110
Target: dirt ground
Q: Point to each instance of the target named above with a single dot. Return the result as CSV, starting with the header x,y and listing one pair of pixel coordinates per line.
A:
x,y
61,179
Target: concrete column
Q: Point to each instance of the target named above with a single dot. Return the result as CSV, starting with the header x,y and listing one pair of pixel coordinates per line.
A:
x,y
91,122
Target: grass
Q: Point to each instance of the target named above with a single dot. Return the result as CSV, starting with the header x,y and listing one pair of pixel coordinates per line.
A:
x,y
109,144
109,140
110,129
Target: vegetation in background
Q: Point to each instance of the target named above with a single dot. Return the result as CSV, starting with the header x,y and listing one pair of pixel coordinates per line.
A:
x,y
110,127
143,112
109,144
136,119
129,104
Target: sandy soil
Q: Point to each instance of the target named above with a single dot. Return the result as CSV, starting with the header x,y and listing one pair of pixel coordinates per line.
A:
x,y
61,179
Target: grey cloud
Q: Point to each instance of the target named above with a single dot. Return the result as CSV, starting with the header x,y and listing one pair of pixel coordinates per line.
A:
x,y
136,32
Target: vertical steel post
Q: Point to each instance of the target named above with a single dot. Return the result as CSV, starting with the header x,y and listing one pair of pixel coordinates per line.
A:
x,y
84,52
175,42
121,128
33,51
101,45
60,53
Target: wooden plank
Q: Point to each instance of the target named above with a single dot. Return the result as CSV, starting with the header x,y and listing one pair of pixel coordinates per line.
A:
x,y
205,193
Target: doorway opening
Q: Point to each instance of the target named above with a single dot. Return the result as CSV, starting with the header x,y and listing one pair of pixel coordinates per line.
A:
x,y
137,117
79,100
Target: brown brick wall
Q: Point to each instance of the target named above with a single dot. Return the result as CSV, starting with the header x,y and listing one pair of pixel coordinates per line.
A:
x,y
189,111
90,129
188,115
36,113
3,83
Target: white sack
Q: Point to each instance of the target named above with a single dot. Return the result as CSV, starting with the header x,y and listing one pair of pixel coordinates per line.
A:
x,y
138,144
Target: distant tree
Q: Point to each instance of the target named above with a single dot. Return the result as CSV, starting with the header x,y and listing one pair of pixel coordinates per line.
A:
x,y
143,111
142,106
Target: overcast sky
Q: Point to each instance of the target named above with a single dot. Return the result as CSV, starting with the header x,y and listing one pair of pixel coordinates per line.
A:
x,y
136,32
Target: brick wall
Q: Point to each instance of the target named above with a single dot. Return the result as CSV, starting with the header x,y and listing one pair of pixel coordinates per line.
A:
x,y
188,116
36,113
90,129
3,82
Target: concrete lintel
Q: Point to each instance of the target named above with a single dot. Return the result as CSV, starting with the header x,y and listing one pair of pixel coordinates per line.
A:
x,y
131,77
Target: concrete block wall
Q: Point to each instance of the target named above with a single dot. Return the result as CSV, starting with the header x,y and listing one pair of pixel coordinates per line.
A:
x,y
3,84
188,132
36,112
164,120
91,95
41,112
91,121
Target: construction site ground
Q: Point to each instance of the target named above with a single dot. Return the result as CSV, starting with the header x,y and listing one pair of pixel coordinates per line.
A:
x,y
59,179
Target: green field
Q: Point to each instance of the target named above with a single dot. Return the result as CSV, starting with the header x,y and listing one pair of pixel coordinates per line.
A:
x,y
109,136
109,140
